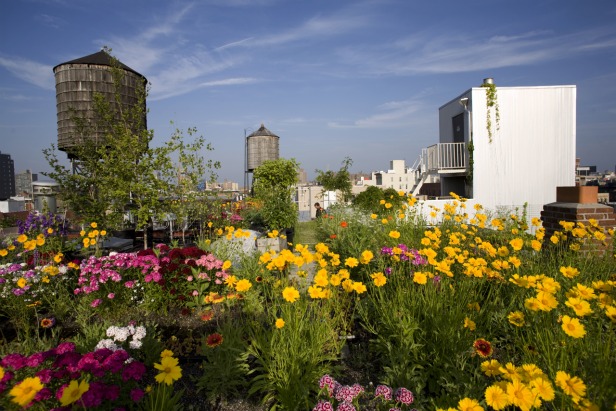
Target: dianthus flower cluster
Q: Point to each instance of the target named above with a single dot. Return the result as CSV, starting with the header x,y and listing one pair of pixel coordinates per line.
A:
x,y
109,374
131,334
404,253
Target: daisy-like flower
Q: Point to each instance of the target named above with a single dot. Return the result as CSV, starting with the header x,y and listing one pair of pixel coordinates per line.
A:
x,y
279,323
214,340
520,395
290,294
580,306
243,285
420,278
24,392
170,370
573,327
516,318
491,368
73,392
572,386
569,272
482,347
469,404
542,388
48,322
351,262
496,397
470,324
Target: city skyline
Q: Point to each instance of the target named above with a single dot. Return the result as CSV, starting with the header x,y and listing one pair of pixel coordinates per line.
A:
x,y
358,79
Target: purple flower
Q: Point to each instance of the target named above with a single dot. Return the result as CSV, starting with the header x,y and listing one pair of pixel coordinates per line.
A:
x,y
14,361
35,360
65,347
404,396
134,370
136,394
45,375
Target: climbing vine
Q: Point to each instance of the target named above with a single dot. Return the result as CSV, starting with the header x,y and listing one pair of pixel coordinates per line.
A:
x,y
491,103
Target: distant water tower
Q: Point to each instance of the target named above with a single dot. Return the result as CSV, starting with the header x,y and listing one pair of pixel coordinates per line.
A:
x,y
262,145
76,82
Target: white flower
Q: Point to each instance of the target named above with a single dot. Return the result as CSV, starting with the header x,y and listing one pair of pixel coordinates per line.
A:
x,y
135,344
106,343
140,332
111,331
121,334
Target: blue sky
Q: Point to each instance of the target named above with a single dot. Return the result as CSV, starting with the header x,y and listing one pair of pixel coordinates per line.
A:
x,y
332,78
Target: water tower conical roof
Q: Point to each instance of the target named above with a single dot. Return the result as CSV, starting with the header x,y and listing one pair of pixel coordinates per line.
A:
x,y
101,58
262,131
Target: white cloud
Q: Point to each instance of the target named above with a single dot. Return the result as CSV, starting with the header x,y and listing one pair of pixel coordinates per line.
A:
x,y
393,114
40,75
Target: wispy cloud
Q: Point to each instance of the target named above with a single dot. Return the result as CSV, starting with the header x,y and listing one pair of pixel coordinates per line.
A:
x,y
456,52
390,115
30,71
50,21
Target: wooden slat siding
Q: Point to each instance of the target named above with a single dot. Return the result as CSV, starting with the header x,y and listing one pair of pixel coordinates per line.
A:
x,y
75,85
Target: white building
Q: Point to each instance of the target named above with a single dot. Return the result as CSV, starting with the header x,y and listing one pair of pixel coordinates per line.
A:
x,y
531,150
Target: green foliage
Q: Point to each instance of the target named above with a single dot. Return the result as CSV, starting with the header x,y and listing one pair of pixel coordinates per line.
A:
x,y
273,184
337,180
491,103
369,200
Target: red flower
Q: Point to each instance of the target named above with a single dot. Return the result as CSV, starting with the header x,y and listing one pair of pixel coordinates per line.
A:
x,y
207,315
482,347
344,224
214,340
333,236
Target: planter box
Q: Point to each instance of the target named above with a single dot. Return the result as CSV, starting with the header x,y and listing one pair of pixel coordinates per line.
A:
x,y
265,244
577,194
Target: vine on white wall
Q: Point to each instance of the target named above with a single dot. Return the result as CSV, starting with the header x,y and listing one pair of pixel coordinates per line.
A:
x,y
491,103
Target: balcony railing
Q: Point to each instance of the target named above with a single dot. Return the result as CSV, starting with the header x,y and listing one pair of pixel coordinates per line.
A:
x,y
445,157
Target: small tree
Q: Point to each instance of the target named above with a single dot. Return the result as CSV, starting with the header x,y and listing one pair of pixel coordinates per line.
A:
x,y
273,184
337,181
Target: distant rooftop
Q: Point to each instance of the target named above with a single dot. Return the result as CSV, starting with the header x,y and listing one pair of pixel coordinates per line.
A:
x,y
101,58
262,131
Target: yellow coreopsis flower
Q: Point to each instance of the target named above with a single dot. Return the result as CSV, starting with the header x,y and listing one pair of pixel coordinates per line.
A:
x,y
580,306
543,388
516,244
379,279
24,392
93,225
470,324
469,404
491,368
226,265
573,327
22,238
243,285
420,277
520,395
366,256
3,252
394,234
290,294
73,392
569,272
170,370
351,262
496,397
572,386
516,318
359,287
279,323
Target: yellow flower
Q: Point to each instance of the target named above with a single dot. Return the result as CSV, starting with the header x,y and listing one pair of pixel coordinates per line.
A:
x,y
279,323
519,394
516,318
231,280
22,282
22,238
103,233
610,311
243,285
491,368
379,279
581,307
170,370
93,225
25,391
3,252
384,221
569,272
536,245
468,404
543,388
1,373
290,294
516,244
73,392
573,327
366,256
420,278
166,353
351,262
359,287
394,234
470,324
572,386
496,397
373,216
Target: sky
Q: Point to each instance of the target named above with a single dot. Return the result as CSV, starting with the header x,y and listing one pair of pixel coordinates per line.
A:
x,y
332,78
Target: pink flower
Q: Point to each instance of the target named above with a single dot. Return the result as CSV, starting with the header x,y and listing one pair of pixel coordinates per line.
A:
x,y
96,303
111,296
404,396
323,406
136,394
346,406
383,391
189,278
195,293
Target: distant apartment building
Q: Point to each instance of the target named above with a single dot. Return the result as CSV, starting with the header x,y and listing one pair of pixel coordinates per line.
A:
x,y
7,177
23,183
398,176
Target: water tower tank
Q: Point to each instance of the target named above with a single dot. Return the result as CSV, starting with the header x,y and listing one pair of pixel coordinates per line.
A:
x,y
262,145
77,81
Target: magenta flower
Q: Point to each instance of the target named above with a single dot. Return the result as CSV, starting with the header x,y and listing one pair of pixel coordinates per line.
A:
x,y
136,394
384,391
345,406
96,303
323,406
404,396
